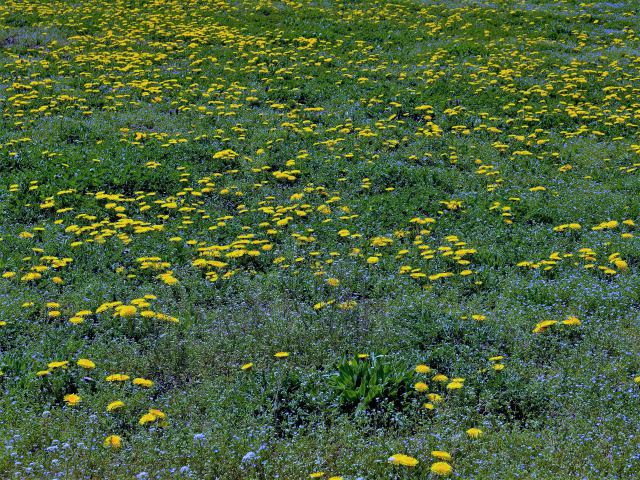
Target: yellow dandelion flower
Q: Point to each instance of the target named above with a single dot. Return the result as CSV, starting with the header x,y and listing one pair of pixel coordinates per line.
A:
x,y
421,387
158,413
147,418
126,311
441,455
85,363
401,459
142,382
113,441
61,364
72,399
474,433
542,326
423,369
441,469
113,406
572,321
435,398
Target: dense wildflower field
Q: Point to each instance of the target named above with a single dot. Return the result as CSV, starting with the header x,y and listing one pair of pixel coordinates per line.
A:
x,y
312,239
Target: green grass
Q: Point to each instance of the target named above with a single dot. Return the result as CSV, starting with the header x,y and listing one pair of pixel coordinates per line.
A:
x,y
114,115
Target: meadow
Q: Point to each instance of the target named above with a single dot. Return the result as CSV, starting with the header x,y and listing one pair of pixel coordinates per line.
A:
x,y
311,239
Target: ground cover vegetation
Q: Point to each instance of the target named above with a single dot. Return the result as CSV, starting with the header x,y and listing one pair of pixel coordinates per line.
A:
x,y
312,239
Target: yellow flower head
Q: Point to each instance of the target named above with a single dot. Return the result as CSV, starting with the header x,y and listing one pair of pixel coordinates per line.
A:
x,y
401,459
281,355
441,469
126,311
572,321
115,405
151,416
158,413
113,441
142,382
86,363
441,455
61,364
542,326
147,418
72,399
423,369
434,397
474,433
421,387
117,377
